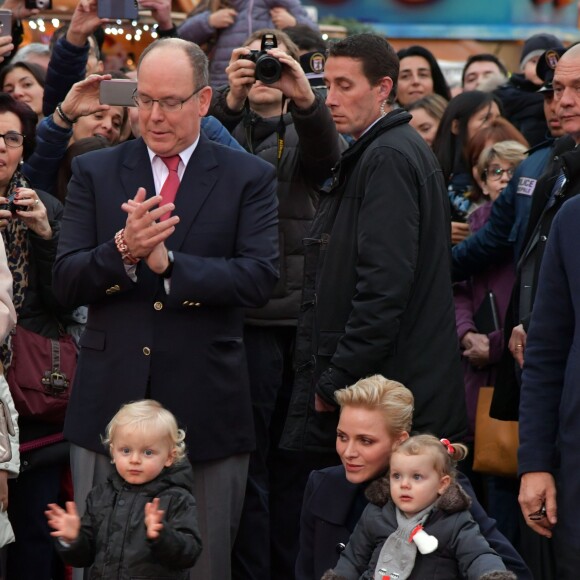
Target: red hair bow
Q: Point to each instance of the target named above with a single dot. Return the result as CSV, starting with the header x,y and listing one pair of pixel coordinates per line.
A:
x,y
450,448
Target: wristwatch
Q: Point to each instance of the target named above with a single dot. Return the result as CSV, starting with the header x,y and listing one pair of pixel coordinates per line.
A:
x,y
167,272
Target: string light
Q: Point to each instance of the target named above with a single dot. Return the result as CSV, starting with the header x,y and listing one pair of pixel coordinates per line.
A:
x,y
131,31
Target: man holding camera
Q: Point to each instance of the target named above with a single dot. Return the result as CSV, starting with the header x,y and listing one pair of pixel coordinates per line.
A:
x,y
272,110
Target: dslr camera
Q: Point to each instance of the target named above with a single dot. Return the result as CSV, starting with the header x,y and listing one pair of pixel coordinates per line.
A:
x,y
268,68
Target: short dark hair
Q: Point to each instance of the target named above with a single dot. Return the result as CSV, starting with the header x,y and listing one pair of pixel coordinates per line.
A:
x,y
281,38
483,57
377,56
28,120
440,86
449,148
197,58
305,38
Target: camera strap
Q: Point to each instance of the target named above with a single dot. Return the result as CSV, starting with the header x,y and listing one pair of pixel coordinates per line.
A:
x,y
280,130
280,133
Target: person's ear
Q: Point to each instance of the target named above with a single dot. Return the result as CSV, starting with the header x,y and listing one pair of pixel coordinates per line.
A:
x,y
204,100
455,127
402,437
444,483
385,88
171,457
111,452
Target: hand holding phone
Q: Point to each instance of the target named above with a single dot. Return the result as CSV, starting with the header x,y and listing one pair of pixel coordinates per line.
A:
x,y
5,22
117,92
118,9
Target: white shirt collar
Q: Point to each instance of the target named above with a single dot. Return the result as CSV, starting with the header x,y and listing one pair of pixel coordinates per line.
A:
x,y
160,171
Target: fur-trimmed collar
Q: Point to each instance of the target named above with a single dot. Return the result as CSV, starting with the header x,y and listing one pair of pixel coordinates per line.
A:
x,y
454,498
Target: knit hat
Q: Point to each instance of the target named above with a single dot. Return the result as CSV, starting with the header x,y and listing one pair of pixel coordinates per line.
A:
x,y
536,45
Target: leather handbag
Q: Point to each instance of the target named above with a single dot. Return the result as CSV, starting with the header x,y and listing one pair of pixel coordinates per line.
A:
x,y
496,442
41,374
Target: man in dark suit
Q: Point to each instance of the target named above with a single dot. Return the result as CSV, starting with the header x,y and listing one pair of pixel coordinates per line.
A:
x,y
166,296
550,398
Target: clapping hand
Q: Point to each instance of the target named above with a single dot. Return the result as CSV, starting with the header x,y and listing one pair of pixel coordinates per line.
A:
x,y
66,524
153,517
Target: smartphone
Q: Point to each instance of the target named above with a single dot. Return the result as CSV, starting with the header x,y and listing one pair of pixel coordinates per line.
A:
x,y
5,22
118,92
118,9
40,4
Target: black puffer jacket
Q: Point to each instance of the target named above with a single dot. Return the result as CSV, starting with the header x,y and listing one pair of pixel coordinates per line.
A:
x,y
523,106
113,538
312,147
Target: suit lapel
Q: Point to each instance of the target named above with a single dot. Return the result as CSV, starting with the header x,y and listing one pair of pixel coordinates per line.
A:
x,y
198,181
136,170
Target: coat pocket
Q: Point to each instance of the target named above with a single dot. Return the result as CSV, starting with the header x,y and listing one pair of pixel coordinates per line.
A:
x,y
328,341
94,339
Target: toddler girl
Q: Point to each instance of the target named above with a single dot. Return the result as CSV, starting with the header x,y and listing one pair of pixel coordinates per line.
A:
x,y
425,530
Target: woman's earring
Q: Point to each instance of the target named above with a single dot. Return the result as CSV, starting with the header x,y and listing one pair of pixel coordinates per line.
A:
x,y
383,108
21,162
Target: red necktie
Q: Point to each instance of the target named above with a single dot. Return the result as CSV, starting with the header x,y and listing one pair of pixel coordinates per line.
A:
x,y
171,185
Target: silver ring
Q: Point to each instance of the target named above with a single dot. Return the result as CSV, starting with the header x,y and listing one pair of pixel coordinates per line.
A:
x,y
36,201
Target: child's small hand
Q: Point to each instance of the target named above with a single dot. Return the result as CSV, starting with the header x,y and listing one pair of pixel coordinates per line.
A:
x,y
153,517
66,524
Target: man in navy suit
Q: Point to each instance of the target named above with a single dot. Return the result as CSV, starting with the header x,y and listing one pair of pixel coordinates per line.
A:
x,y
166,297
550,397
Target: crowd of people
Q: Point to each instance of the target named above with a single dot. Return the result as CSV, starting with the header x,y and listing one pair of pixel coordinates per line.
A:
x,y
276,269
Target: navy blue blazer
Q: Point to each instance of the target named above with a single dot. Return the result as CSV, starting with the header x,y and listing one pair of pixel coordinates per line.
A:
x,y
185,348
327,504
550,397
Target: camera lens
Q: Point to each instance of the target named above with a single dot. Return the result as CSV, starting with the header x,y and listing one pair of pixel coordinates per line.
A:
x,y
268,69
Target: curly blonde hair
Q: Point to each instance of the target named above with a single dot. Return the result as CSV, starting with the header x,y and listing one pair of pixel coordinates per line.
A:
x,y
148,415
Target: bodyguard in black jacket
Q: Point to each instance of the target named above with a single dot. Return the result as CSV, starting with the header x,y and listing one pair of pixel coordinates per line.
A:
x,y
377,290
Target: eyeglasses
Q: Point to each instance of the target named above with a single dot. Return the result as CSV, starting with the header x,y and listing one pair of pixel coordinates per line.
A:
x,y
496,173
13,139
169,104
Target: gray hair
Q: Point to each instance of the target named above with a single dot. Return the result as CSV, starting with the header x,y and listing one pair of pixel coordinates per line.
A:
x,y
511,151
197,58
36,48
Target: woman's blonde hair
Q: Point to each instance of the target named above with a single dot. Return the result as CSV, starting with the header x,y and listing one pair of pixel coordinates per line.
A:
x,y
445,454
513,152
392,398
148,415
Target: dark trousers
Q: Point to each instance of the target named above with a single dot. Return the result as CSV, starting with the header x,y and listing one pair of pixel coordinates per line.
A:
x,y
267,542
32,556
268,351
